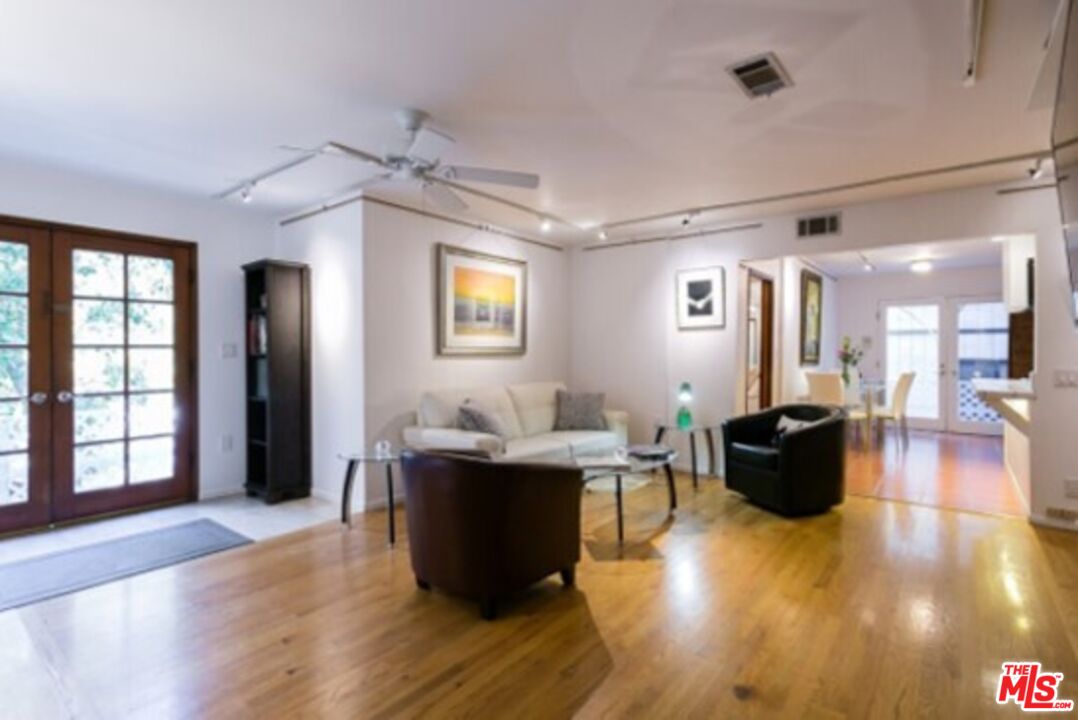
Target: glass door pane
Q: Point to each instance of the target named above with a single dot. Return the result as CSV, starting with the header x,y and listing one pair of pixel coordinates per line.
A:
x,y
980,352
912,335
25,370
14,373
123,333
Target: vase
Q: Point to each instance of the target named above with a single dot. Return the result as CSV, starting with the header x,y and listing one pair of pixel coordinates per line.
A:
x,y
684,418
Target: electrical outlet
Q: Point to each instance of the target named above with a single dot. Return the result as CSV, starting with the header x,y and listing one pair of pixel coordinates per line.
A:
x,y
1066,378
1070,488
226,443
228,350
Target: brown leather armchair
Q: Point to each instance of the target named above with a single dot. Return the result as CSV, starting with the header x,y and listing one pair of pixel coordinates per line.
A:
x,y
485,530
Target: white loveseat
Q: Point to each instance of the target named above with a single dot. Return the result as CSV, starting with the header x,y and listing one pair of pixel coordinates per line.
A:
x,y
526,411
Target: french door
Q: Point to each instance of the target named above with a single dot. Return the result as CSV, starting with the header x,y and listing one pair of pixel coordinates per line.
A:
x,y
947,343
96,375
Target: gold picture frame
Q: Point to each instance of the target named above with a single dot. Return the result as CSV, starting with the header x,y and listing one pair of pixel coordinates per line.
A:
x,y
482,306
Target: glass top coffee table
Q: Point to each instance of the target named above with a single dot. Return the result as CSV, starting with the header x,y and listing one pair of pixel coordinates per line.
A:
x,y
607,466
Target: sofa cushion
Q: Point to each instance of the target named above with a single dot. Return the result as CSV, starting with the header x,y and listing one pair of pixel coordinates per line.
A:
x,y
539,447
587,442
758,456
536,405
438,408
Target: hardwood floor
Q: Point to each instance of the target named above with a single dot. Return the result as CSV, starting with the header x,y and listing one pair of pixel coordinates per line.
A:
x,y
877,609
959,472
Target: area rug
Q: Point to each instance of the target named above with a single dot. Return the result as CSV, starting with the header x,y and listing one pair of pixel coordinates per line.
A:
x,y
48,576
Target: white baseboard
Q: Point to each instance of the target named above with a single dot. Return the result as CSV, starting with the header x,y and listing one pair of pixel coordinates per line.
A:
x,y
381,503
222,493
1045,521
323,494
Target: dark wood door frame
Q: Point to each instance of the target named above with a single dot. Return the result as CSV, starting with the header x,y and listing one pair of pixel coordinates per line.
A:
x,y
767,336
50,377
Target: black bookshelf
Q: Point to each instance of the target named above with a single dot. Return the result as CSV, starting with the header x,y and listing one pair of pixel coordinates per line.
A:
x,y
278,387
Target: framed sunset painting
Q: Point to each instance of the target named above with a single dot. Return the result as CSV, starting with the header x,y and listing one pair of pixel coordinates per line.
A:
x,y
482,303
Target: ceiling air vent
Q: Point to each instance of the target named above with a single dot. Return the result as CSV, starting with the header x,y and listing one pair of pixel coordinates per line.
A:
x,y
760,76
819,225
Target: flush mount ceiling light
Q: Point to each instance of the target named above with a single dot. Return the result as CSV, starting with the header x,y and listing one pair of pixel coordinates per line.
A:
x,y
921,267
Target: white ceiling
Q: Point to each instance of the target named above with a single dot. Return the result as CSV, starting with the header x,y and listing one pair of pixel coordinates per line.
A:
x,y
623,106
951,254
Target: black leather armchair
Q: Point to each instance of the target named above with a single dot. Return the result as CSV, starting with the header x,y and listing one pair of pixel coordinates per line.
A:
x,y
484,529
803,472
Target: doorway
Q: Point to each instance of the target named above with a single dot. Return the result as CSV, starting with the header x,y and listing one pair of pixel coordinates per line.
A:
x,y
760,335
947,344
97,374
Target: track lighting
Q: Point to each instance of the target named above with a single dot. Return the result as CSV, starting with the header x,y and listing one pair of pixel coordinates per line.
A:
x,y
602,235
545,225
1037,170
688,219
865,264
247,193
921,267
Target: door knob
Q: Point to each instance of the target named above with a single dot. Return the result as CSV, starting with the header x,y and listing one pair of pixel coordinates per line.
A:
x,y
64,397
39,398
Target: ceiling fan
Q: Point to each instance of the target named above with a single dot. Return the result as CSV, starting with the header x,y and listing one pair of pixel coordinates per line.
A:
x,y
420,161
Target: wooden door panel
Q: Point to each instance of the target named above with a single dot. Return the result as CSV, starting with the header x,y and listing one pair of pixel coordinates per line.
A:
x,y
123,358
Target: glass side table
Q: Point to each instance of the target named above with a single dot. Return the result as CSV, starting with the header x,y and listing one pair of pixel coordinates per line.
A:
x,y
354,460
708,431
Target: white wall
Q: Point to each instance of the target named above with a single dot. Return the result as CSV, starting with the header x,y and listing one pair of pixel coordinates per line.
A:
x,y
332,245
792,381
227,237
399,321
860,296
624,339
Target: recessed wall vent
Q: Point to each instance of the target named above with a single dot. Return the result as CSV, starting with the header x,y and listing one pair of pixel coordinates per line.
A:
x,y
760,76
815,225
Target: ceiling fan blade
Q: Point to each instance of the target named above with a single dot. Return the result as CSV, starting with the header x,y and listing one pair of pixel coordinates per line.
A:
x,y
443,197
429,145
489,175
342,150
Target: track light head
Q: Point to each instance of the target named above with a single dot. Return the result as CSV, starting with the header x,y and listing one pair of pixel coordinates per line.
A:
x,y
247,193
602,234
1037,171
545,225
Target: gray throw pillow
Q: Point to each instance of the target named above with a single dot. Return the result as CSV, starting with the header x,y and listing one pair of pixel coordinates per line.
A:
x,y
580,411
474,417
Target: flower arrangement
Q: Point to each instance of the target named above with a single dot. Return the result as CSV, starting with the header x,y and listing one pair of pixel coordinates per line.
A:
x,y
850,356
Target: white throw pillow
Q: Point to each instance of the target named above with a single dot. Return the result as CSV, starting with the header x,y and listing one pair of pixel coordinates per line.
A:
x,y
789,424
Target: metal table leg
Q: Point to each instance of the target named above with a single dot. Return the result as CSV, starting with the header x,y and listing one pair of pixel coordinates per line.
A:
x,y
391,508
621,529
659,434
692,455
670,486
711,452
346,499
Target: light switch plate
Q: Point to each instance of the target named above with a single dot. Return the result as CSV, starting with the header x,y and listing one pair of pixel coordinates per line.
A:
x,y
228,350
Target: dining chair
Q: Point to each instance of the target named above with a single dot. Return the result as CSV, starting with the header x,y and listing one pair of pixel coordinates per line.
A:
x,y
896,412
826,388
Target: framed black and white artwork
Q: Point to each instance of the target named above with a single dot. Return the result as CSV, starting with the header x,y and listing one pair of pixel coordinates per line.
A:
x,y
701,298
